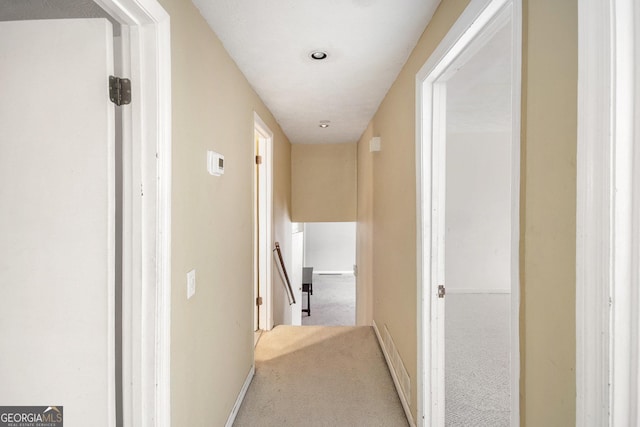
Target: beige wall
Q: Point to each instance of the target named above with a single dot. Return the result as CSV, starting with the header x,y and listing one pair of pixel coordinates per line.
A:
x,y
323,180
211,334
364,231
548,212
392,202
387,244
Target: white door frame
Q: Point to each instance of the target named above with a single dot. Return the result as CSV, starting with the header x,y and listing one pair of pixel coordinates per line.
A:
x,y
266,150
297,265
472,25
608,214
146,295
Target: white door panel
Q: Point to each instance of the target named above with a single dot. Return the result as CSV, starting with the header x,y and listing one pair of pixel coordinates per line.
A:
x,y
57,218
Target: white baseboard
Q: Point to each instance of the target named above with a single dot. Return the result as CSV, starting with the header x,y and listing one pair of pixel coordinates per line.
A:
x,y
396,382
330,272
477,291
243,392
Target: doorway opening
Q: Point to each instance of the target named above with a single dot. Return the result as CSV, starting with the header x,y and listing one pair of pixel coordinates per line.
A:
x,y
468,220
329,256
477,236
263,226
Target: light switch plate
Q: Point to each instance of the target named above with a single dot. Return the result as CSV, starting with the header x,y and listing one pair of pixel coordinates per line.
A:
x,y
191,283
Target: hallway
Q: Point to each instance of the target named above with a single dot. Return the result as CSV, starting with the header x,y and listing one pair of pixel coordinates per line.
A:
x,y
320,376
134,263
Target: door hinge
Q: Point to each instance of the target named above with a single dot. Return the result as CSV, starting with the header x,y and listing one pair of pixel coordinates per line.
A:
x,y
258,160
119,90
441,291
259,301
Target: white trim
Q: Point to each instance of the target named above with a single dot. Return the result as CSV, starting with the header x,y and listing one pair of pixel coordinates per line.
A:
x,y
403,400
475,23
478,13
593,222
625,360
240,398
334,273
146,213
163,230
608,215
266,314
516,122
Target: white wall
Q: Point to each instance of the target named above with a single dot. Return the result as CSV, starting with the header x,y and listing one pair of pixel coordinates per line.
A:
x,y
478,211
330,246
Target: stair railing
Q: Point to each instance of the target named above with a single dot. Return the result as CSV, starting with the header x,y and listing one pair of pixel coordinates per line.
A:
x,y
287,286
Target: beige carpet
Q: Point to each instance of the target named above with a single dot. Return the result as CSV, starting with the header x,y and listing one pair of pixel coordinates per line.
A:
x,y
320,376
477,360
333,302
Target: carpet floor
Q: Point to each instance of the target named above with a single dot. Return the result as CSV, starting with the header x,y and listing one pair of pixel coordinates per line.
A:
x,y
477,366
320,376
333,302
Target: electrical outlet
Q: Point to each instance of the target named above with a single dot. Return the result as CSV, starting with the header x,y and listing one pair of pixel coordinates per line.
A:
x,y
191,283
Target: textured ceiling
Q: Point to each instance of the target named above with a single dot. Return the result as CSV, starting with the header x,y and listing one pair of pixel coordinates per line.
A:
x,y
368,42
479,94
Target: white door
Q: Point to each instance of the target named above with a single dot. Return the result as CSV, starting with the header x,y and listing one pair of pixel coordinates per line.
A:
x,y
57,218
263,233
263,139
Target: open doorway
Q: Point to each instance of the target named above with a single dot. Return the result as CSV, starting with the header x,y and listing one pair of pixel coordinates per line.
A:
x,y
478,236
330,251
468,240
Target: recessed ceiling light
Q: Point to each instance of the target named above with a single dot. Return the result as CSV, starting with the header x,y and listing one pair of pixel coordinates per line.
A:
x,y
318,55
324,125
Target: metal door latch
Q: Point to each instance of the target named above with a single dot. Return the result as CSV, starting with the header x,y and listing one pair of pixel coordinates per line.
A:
x,y
441,291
